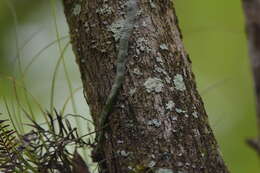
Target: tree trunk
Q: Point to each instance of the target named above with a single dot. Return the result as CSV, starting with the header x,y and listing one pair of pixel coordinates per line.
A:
x,y
158,121
252,18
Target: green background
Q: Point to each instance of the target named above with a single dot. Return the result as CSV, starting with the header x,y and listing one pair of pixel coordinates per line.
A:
x,y
213,35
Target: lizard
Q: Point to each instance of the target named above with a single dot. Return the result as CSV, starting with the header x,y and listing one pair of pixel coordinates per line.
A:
x,y
126,31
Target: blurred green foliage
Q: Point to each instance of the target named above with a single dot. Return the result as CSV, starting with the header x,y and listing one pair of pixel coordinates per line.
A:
x,y
24,8
215,39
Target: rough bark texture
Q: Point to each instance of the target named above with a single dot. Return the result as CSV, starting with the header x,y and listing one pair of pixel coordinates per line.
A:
x,y
158,122
252,16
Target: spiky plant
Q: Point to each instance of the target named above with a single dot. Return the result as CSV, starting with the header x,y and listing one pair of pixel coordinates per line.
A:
x,y
10,157
7,145
42,150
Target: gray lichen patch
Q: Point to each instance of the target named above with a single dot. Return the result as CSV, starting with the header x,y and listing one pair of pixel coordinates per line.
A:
x,y
170,105
120,141
142,46
186,115
136,71
144,24
132,91
174,118
196,132
151,164
163,170
76,10
153,85
168,79
105,10
179,110
160,70
123,153
195,114
152,4
159,59
116,28
179,83
154,122
163,47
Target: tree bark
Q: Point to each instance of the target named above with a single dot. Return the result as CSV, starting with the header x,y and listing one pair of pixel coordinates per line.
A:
x,y
158,122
